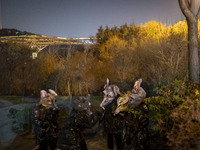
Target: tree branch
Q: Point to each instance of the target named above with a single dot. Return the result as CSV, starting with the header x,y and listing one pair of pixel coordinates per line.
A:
x,y
186,9
188,3
198,13
192,5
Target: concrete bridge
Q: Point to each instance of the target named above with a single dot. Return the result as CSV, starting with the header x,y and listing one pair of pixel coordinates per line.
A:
x,y
40,42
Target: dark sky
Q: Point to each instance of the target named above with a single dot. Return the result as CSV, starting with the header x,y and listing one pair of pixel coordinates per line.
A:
x,y
82,18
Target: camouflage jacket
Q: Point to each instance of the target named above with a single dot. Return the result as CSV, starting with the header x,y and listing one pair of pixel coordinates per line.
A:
x,y
113,124
71,137
45,121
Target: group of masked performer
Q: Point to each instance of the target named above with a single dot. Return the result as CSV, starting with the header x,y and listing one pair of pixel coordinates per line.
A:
x,y
123,116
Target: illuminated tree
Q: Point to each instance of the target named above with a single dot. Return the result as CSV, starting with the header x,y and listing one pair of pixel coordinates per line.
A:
x,y
152,31
188,9
111,46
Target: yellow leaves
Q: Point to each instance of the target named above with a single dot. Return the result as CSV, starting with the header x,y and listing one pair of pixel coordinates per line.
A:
x,y
133,44
199,28
114,43
48,65
196,92
179,28
153,30
111,46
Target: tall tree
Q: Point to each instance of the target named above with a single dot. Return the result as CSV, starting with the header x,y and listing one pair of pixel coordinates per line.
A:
x,y
188,9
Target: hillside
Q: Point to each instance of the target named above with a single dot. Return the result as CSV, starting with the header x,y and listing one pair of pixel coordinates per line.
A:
x,y
13,32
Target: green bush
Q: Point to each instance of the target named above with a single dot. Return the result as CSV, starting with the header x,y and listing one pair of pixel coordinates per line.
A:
x,y
175,114
23,119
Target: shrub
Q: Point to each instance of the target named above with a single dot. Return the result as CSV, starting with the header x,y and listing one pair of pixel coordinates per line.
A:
x,y
175,114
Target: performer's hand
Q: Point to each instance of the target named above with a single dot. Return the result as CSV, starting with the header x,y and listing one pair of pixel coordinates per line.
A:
x,y
102,106
89,104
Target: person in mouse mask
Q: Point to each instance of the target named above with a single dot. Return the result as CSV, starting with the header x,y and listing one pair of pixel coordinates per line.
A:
x,y
136,120
45,120
112,123
71,135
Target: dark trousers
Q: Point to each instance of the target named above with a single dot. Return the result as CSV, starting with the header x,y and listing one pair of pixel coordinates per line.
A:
x,y
111,138
45,144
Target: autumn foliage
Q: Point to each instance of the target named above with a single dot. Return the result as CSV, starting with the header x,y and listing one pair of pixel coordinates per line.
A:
x,y
155,52
175,114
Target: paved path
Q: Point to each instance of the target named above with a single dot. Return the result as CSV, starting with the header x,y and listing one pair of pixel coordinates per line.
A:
x,y
4,103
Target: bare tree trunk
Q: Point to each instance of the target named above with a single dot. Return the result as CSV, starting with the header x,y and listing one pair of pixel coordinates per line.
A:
x,y
87,88
80,88
56,85
86,50
9,91
24,81
193,59
69,52
188,9
69,91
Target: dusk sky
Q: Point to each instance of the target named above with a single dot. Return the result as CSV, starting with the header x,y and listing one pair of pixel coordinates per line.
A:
x,y
82,18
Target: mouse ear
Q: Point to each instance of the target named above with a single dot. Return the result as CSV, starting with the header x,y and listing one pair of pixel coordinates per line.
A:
x,y
107,82
116,90
52,92
140,80
43,93
138,83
